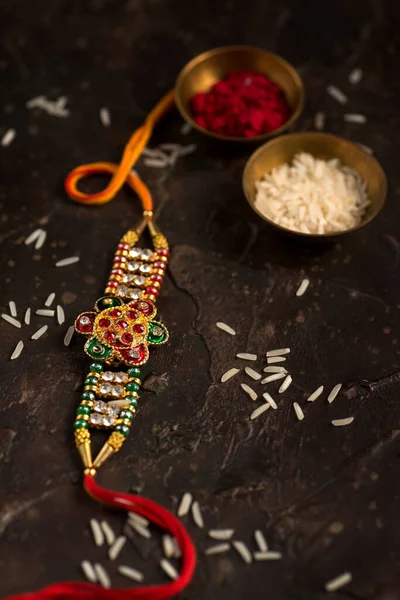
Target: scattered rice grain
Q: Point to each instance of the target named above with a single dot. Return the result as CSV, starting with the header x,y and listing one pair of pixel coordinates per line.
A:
x,y
108,533
41,240
88,571
17,351
355,118
116,548
244,552
334,392
27,317
278,352
189,149
132,516
228,374
217,549
168,546
39,332
68,335
169,569
226,328
45,312
298,410
130,573
184,505
8,137
60,315
269,399
336,94
197,516
275,359
155,163
276,369
267,555
273,377
342,422
221,534
303,287
338,582
50,299
252,373
249,391
102,576
97,532
70,260
246,356
355,76
260,540
259,411
285,384
315,394
13,308
105,117
11,320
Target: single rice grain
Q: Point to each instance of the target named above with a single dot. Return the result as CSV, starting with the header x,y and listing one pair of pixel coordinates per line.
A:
x,y
68,335
130,573
45,312
64,262
197,516
285,384
105,117
50,299
355,76
246,356
315,394
169,569
298,410
342,422
335,390
13,308
217,549
108,533
97,532
60,315
221,534
243,550
252,373
278,352
11,320
260,540
336,94
274,377
275,359
185,504
259,411
226,328
88,571
168,546
27,317
39,332
8,137
338,582
249,391
302,287
228,374
116,548
17,351
276,369
102,576
267,555
269,399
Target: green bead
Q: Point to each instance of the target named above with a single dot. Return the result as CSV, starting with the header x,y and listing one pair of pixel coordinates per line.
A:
x,y
96,367
126,414
91,381
132,386
96,349
134,372
83,410
134,403
79,424
88,396
124,429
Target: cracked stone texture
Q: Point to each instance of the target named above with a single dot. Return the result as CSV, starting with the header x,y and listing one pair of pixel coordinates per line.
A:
x,y
327,498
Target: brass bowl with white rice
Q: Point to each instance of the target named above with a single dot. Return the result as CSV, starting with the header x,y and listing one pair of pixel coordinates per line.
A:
x,y
314,185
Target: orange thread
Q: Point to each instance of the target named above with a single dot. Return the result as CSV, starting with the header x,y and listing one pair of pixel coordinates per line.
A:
x,y
121,173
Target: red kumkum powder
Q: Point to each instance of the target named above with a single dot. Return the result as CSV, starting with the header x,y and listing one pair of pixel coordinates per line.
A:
x,y
243,104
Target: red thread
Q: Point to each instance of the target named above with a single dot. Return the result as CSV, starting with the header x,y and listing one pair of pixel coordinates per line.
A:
x,y
158,515
243,104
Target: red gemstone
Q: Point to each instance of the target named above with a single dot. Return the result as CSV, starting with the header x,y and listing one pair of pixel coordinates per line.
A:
x,y
138,328
122,324
159,265
104,323
115,313
127,338
163,252
118,258
123,246
117,272
135,356
112,284
132,315
145,307
157,278
151,291
85,323
110,335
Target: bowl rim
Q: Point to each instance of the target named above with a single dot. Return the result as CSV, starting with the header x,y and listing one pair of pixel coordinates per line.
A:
x,y
314,134
244,48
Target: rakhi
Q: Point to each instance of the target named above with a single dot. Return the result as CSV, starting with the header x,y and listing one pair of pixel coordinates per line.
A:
x,y
120,329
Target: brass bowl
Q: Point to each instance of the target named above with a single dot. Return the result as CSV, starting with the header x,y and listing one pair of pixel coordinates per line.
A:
x,y
201,73
321,145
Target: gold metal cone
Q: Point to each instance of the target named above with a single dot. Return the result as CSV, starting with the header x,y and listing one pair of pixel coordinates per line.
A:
x,y
86,453
102,456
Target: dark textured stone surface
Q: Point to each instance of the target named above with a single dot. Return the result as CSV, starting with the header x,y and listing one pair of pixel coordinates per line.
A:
x,y
327,498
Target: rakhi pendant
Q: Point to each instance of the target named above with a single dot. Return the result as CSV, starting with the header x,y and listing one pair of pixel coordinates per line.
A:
x,y
120,330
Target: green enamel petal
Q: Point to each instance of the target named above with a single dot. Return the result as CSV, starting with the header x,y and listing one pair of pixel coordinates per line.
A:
x,y
158,333
96,349
107,302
